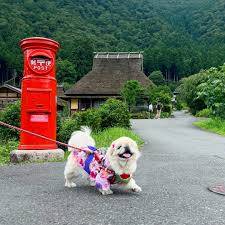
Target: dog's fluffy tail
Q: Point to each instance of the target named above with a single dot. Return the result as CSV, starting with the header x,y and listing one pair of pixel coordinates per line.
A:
x,y
81,137
86,130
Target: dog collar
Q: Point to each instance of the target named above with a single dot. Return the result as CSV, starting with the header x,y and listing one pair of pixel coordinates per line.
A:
x,y
122,178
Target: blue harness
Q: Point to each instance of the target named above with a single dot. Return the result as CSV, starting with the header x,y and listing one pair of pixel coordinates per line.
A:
x,y
89,159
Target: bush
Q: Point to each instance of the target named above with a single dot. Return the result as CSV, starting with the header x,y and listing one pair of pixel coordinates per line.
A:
x,y
67,128
161,94
204,113
90,118
10,115
188,90
165,115
114,113
132,93
142,115
167,108
178,105
212,91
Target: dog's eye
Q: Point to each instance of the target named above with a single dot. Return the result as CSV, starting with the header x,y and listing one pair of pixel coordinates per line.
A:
x,y
119,147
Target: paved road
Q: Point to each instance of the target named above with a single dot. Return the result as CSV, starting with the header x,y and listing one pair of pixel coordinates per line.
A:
x,y
178,163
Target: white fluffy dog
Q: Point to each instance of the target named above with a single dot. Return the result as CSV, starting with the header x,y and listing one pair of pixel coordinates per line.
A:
x,y
117,166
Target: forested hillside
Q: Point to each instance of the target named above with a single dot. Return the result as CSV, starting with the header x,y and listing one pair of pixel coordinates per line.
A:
x,y
178,37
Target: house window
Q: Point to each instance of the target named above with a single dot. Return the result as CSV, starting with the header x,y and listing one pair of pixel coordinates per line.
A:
x,y
74,104
98,102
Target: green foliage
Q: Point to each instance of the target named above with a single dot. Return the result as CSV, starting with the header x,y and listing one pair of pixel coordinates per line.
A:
x,y
114,113
132,93
5,149
90,118
216,125
68,126
204,113
66,72
106,137
157,78
142,115
178,105
10,115
161,94
212,91
205,90
188,91
178,38
172,85
165,115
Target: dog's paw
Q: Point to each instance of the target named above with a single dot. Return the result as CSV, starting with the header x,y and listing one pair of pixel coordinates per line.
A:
x,y
70,184
136,189
106,192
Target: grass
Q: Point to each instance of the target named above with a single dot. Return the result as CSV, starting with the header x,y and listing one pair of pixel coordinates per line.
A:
x,y
5,149
106,137
215,125
103,139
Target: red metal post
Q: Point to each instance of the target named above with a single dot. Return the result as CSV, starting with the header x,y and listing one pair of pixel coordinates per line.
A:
x,y
39,94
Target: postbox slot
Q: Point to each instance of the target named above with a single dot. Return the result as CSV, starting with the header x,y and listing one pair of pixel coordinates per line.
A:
x,y
38,100
39,118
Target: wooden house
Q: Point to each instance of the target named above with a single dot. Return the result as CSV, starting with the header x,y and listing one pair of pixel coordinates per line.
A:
x,y
8,94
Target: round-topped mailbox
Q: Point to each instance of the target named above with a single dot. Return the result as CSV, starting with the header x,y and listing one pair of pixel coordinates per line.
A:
x,y
39,94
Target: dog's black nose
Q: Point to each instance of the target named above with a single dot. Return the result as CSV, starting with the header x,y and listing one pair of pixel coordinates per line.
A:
x,y
127,149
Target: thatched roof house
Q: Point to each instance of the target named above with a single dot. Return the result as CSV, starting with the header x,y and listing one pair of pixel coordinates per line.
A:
x,y
109,72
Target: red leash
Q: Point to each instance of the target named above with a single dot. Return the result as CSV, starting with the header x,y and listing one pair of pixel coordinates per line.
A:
x,y
97,156
46,138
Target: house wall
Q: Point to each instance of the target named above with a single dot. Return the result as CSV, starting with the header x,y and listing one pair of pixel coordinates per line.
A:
x,y
85,103
7,96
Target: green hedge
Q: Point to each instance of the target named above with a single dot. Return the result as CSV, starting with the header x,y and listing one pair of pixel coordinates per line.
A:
x,y
114,113
10,115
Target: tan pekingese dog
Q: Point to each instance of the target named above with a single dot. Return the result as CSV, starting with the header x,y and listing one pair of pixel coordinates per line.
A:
x,y
117,166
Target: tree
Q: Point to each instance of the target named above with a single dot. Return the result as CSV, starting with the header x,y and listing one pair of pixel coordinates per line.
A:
x,y
82,56
66,71
161,94
131,93
212,91
157,78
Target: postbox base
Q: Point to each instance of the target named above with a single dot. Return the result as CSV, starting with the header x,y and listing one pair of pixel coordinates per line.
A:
x,y
18,156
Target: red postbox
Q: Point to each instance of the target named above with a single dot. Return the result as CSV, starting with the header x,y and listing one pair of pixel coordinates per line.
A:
x,y
39,95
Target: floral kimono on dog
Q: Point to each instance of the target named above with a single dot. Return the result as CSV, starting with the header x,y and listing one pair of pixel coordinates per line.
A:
x,y
97,166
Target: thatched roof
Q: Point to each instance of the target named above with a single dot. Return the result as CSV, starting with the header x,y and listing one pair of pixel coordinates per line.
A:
x,y
109,73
